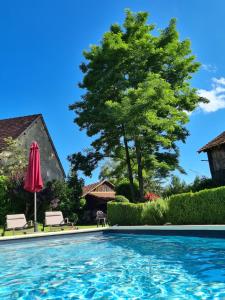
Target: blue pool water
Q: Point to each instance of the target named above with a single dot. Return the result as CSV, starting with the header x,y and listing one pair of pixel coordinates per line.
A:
x,y
113,266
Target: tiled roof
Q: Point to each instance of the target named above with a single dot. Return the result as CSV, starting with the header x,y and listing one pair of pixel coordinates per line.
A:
x,y
219,140
14,127
90,187
87,188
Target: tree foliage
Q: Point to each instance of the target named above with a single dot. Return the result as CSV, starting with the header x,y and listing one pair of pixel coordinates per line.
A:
x,y
4,203
178,186
123,189
66,195
137,95
13,159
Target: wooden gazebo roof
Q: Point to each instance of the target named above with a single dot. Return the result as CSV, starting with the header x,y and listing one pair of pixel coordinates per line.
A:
x,y
218,141
91,190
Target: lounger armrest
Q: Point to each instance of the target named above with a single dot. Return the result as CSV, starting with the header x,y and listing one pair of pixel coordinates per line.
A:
x,y
67,222
30,223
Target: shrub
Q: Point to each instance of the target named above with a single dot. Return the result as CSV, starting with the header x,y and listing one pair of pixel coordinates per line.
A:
x,y
4,203
74,218
151,196
65,197
204,207
21,201
82,203
120,198
124,189
124,213
201,183
155,213
3,186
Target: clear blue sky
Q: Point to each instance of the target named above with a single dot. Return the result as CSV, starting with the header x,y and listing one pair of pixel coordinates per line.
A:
x,y
41,45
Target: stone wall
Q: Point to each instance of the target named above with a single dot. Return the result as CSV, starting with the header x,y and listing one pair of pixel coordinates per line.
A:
x,y
50,167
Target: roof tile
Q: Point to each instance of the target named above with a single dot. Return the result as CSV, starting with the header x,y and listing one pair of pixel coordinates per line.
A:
x,y
14,127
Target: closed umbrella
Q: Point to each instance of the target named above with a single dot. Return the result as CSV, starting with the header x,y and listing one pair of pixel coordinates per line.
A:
x,y
33,181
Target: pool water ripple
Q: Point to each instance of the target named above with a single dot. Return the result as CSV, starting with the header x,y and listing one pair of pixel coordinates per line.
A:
x,y
113,266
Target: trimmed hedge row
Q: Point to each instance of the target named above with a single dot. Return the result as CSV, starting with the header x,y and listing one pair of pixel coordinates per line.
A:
x,y
120,198
204,207
155,213
122,213
137,214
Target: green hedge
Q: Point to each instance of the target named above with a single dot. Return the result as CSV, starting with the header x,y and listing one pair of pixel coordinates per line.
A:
x,y
3,199
155,212
124,213
120,198
204,207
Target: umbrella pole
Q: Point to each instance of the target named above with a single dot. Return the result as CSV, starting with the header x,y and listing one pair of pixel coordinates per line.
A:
x,y
35,213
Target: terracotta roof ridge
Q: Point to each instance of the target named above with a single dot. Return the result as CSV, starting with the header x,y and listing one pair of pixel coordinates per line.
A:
x,y
21,117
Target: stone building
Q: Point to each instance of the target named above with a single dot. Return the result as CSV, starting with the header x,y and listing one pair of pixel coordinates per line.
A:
x,y
33,128
215,150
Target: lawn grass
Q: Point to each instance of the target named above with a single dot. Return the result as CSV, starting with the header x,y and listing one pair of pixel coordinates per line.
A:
x,y
47,229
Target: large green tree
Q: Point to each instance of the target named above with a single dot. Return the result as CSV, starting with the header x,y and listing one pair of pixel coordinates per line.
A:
x,y
137,97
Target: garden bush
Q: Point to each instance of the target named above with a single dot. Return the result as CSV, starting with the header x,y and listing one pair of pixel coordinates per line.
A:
x,y
120,198
204,207
124,213
4,203
155,213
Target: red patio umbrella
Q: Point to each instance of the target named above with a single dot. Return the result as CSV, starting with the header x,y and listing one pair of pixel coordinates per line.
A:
x,y
33,182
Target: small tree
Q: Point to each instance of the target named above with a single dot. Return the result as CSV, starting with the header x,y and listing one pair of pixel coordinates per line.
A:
x,y
176,186
65,195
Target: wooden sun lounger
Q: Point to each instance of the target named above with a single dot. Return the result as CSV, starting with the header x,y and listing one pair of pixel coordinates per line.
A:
x,y
16,222
55,219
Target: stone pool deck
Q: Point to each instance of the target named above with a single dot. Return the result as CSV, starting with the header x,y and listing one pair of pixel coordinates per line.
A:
x,y
217,231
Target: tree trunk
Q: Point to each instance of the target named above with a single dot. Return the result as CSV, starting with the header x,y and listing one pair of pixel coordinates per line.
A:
x,y
140,168
129,169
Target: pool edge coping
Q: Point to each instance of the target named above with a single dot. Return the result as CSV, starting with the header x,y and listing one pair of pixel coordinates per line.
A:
x,y
115,228
168,227
208,231
50,234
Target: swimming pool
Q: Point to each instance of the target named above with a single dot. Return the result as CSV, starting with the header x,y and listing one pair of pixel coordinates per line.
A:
x,y
113,266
